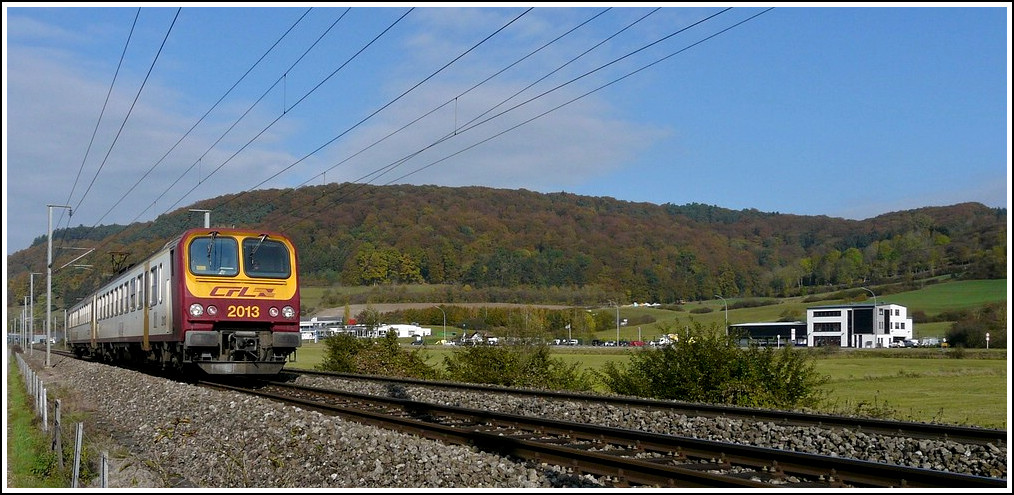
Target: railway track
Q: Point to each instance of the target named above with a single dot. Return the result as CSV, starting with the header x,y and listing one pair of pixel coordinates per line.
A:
x,y
873,426
624,457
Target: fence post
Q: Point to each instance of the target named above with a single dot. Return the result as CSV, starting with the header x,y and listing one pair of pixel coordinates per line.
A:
x,y
77,454
105,470
45,411
38,395
57,444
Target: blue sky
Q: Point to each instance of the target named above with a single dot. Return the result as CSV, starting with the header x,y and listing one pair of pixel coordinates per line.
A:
x,y
827,109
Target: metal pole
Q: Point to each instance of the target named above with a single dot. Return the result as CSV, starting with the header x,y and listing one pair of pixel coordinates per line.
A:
x,y
29,334
445,322
31,297
726,313
207,217
49,275
617,324
875,322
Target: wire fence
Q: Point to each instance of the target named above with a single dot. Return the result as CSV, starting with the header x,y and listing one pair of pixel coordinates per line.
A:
x,y
59,434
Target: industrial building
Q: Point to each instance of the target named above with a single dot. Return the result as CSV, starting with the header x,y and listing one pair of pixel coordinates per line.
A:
x,y
844,325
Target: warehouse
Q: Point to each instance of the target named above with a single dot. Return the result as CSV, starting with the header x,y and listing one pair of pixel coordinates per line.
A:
x,y
774,334
853,325
844,325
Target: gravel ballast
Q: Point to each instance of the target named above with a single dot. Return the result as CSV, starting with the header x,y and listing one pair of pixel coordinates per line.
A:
x,y
161,433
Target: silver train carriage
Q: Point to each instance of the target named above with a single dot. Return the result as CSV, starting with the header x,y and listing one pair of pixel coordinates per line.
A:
x,y
224,300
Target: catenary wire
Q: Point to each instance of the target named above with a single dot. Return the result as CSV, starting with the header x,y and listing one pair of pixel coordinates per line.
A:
x,y
571,101
201,119
110,238
416,120
91,141
456,130
375,112
130,110
387,168
610,83
293,106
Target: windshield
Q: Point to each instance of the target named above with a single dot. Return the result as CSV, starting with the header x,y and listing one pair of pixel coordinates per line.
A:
x,y
214,255
265,258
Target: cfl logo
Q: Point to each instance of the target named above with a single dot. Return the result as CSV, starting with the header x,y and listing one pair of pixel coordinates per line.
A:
x,y
226,291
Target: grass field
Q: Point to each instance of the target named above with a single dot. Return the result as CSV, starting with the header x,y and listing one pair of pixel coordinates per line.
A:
x,y
910,384
29,462
932,300
919,386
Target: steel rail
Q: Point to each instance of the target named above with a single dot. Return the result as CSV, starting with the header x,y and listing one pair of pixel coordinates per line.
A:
x,y
911,429
828,471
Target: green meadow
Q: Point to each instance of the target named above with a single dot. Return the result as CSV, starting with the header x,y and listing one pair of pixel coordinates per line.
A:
x,y
971,390
958,386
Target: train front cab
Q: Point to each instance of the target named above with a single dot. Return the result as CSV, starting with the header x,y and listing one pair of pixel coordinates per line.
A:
x,y
239,302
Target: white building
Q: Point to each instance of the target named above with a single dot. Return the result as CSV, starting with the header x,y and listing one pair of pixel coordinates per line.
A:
x,y
854,325
403,331
314,329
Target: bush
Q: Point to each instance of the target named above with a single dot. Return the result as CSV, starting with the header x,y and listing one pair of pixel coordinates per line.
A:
x,y
711,368
971,330
345,353
515,366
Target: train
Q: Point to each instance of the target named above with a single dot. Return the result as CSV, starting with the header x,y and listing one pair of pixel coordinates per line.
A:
x,y
218,301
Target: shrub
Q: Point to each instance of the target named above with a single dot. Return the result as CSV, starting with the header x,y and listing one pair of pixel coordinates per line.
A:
x,y
711,368
515,366
345,353
971,330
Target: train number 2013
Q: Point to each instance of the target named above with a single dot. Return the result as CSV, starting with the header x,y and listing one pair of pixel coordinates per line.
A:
x,y
244,312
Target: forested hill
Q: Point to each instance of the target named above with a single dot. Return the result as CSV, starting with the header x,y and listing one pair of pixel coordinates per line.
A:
x,y
355,234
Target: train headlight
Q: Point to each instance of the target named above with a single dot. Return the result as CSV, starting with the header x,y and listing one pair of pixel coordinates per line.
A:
x,y
273,311
288,312
212,310
196,310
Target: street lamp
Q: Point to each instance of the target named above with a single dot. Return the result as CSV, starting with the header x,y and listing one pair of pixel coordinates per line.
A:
x,y
875,322
49,274
617,323
726,313
445,322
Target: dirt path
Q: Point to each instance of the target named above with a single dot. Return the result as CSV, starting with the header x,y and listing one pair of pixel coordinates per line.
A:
x,y
355,309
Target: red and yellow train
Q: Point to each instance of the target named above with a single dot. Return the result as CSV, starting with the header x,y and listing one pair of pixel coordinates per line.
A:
x,y
223,300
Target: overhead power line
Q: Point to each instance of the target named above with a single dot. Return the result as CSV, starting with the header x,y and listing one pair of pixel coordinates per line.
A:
x,y
130,110
105,103
387,168
206,113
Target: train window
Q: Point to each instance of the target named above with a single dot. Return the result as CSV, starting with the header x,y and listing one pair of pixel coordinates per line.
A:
x,y
160,273
133,294
140,291
263,257
153,293
214,255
